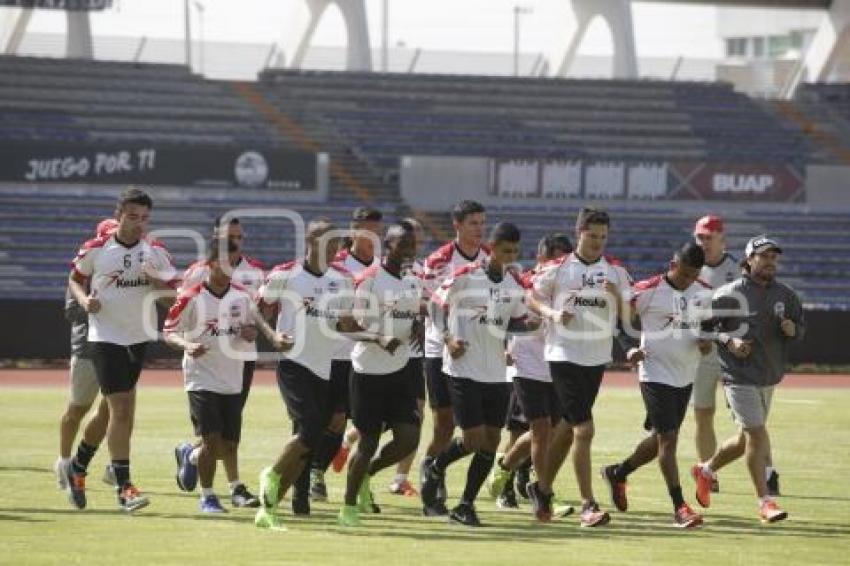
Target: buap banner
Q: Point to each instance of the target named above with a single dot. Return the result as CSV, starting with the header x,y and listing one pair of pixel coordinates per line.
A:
x,y
249,167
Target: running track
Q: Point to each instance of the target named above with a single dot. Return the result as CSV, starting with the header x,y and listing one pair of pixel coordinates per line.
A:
x,y
174,378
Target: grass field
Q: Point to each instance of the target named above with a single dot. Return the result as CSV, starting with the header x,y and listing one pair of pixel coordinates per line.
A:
x,y
810,431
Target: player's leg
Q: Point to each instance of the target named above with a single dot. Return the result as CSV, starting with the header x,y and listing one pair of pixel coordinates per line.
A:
x,y
83,392
211,425
416,378
705,401
440,400
333,436
232,409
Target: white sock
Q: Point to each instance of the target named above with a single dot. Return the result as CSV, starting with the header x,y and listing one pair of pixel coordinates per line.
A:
x,y
63,461
207,491
768,471
708,472
764,500
193,456
399,478
234,484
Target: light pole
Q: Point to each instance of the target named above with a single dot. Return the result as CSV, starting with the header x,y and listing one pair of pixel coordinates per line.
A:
x,y
187,39
385,37
200,8
518,11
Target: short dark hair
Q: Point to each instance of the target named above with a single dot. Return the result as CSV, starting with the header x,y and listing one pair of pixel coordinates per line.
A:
x,y
213,249
505,232
220,217
411,223
691,254
397,231
133,195
589,215
466,207
319,226
366,214
552,245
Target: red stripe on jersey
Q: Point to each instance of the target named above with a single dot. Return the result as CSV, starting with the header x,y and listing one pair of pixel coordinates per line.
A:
x,y
613,260
645,285
285,266
340,268
440,256
253,262
341,255
368,273
183,300
519,278
703,283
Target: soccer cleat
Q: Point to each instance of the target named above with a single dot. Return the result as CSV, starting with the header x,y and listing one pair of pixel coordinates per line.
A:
x,y
591,516
686,518
76,483
403,487
715,486
241,497
541,503
131,499
341,458
268,519
523,477
187,472
703,482
109,476
436,509
498,479
61,480
616,488
773,484
507,500
365,499
431,480
465,514
770,512
563,510
318,489
211,504
269,488
349,516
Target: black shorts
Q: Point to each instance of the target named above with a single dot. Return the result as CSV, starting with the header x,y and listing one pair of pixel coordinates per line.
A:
x,y
247,379
340,377
117,367
576,388
416,377
516,421
213,413
476,403
379,400
536,398
666,406
439,389
307,398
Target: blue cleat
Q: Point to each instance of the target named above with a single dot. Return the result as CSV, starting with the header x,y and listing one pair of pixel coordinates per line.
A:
x,y
187,472
211,504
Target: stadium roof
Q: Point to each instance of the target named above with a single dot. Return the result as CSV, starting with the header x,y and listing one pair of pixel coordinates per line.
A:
x,y
814,4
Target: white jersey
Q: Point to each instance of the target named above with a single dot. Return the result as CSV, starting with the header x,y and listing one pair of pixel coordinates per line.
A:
x,y
527,351
670,328
387,305
215,321
355,267
439,266
120,279
418,271
570,284
309,307
480,310
248,273
715,276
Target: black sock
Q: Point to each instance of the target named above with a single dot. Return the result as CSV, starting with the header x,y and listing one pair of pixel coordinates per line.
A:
x,y
331,441
453,452
301,486
122,473
676,496
479,468
509,485
85,452
622,471
525,466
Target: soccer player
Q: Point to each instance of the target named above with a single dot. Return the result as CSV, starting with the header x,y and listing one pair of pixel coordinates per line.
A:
x,y
111,279
666,308
535,394
468,219
481,302
249,274
83,391
313,299
757,318
215,324
580,295
387,303
366,226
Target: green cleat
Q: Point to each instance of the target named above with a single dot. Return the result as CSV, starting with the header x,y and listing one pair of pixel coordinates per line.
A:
x,y
365,499
498,478
267,519
269,488
349,516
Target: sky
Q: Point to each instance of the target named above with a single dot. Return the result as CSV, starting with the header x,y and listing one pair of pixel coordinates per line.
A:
x,y
469,25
